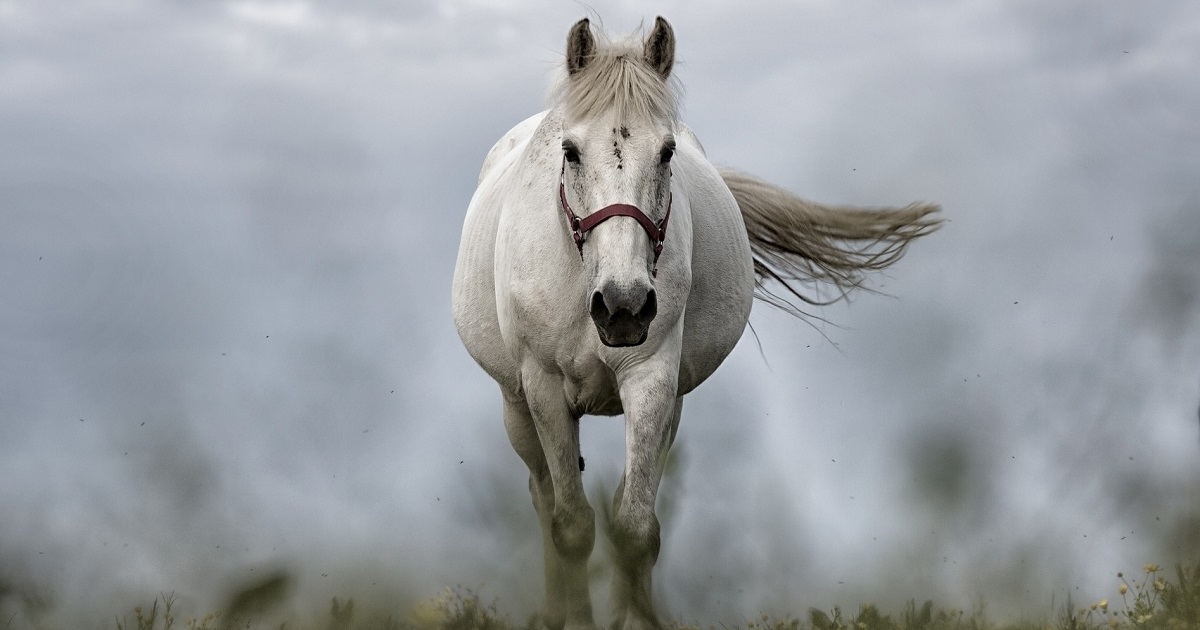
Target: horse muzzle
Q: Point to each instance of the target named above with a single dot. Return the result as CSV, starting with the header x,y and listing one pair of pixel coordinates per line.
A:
x,y
623,314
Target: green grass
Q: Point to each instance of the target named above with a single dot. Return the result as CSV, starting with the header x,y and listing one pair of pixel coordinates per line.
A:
x,y
1154,601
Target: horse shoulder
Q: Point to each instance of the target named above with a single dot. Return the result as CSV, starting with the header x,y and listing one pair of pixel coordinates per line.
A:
x,y
474,289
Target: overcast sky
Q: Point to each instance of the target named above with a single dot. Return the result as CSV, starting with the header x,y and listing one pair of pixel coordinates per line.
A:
x,y
227,234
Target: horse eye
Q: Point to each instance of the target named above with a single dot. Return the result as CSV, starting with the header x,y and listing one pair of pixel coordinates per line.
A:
x,y
667,152
570,152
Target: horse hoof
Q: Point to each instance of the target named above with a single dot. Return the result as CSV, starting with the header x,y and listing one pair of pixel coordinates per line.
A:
x,y
631,621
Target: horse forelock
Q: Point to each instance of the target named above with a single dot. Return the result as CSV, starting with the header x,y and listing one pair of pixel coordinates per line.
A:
x,y
617,79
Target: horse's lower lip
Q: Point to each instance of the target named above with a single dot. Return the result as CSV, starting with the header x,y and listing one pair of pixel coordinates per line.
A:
x,y
626,340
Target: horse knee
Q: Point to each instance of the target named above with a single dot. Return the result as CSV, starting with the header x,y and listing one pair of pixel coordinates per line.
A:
x,y
574,532
637,541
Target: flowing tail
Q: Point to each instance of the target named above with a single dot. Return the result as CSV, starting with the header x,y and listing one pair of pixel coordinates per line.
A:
x,y
801,244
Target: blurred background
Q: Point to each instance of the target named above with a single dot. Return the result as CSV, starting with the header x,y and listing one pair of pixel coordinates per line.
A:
x,y
227,234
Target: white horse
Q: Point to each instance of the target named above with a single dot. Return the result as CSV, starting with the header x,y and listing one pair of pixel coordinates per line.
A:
x,y
606,267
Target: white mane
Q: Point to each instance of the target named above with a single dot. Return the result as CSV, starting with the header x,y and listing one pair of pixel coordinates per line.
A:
x,y
617,78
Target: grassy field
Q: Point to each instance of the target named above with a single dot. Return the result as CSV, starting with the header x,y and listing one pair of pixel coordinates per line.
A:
x,y
1156,599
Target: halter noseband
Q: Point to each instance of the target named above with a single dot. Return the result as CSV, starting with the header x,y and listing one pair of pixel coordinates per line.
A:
x,y
580,227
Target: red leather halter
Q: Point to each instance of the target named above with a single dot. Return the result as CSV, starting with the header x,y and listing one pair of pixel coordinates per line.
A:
x,y
580,227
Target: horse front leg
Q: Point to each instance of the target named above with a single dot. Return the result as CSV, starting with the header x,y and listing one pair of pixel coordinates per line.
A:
x,y
522,433
546,435
652,413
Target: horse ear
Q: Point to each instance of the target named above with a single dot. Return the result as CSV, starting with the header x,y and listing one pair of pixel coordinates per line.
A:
x,y
580,46
660,47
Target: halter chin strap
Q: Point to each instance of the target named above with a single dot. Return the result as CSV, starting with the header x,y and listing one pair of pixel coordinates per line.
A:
x,y
580,227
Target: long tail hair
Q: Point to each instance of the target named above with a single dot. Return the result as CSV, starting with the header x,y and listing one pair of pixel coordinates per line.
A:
x,y
800,245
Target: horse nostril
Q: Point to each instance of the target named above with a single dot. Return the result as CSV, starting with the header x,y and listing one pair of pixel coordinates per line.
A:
x,y
599,309
649,309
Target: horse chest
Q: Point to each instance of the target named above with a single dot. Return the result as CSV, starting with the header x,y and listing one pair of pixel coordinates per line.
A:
x,y
590,386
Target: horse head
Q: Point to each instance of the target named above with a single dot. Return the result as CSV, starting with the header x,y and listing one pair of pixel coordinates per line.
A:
x,y
617,144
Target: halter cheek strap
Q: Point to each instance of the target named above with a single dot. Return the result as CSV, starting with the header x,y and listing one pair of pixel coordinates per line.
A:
x,y
580,227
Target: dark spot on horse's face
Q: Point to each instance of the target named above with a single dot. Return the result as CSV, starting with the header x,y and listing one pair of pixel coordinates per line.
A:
x,y
581,463
625,132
